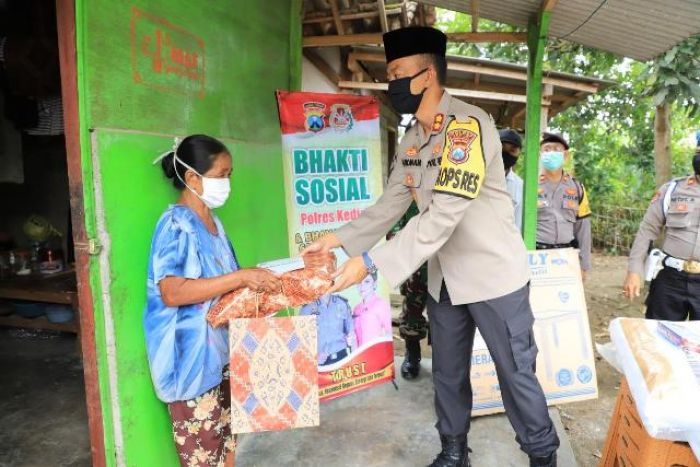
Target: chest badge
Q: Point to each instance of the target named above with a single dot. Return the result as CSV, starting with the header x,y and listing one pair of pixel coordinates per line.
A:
x,y
436,149
438,123
412,151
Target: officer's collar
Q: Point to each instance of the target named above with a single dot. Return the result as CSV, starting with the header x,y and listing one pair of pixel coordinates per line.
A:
x,y
440,117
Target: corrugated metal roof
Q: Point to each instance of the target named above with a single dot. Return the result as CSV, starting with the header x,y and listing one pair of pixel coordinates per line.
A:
x,y
640,29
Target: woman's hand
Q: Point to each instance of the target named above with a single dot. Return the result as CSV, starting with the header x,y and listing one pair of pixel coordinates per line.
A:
x,y
261,280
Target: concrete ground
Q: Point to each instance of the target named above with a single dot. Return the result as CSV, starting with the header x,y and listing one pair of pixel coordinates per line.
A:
x,y
385,427
43,417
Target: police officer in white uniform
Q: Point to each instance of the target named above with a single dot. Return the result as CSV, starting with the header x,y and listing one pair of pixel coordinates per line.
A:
x,y
512,144
451,164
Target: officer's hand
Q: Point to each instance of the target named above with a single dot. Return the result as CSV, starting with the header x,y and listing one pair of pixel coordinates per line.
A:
x,y
316,254
584,275
633,286
350,273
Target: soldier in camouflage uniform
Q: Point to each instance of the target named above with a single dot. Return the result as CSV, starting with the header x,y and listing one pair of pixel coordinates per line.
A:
x,y
413,327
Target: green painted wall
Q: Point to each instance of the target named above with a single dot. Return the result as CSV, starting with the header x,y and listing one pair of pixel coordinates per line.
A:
x,y
133,100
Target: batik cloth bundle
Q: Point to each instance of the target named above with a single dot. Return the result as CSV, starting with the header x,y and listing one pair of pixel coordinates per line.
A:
x,y
299,287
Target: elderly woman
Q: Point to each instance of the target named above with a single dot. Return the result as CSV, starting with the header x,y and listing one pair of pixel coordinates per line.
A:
x,y
192,263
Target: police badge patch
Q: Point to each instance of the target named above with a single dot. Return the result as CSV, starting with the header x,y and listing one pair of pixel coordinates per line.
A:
x,y
315,114
341,117
463,167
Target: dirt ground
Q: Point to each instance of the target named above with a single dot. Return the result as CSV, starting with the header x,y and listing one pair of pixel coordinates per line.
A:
x,y
586,423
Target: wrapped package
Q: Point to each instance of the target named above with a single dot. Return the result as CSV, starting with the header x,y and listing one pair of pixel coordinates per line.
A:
x,y
299,287
661,361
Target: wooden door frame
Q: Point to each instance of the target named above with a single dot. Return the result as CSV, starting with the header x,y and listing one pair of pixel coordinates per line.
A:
x,y
67,46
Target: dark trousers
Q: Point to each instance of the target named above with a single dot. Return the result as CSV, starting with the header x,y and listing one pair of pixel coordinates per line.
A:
x,y
338,357
505,323
674,296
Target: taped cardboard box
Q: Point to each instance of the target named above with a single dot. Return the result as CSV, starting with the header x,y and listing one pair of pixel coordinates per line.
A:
x,y
565,362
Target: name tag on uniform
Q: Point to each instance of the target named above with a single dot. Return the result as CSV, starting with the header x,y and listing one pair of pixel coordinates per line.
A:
x,y
463,167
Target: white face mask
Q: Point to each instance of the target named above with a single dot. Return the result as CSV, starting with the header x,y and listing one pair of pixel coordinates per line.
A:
x,y
215,191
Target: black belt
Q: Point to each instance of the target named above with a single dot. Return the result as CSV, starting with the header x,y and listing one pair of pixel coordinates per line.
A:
x,y
552,246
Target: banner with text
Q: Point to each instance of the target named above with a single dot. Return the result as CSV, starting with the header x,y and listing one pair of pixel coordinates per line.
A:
x,y
332,166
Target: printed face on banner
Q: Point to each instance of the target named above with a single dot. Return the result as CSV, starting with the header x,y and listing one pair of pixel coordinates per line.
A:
x,y
333,170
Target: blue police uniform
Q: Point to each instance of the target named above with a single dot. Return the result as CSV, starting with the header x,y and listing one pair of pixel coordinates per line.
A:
x,y
335,328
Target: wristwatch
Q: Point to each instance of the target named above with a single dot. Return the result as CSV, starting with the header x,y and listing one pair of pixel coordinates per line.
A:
x,y
369,264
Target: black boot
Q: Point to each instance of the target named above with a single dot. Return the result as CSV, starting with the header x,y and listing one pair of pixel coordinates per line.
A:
x,y
546,461
411,363
455,452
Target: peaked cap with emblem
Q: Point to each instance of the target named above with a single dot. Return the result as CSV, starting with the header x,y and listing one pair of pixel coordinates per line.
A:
x,y
405,42
554,138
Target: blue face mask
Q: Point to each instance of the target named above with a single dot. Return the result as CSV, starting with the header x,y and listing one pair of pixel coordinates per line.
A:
x,y
552,160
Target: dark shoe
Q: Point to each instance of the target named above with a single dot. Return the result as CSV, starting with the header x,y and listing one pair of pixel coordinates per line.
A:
x,y
455,452
546,461
410,368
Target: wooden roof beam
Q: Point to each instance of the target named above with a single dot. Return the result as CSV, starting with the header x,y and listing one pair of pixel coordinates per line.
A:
x,y
376,38
381,9
322,66
336,17
491,71
494,96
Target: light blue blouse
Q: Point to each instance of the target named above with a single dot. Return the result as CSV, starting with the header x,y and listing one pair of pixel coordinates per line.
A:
x,y
185,353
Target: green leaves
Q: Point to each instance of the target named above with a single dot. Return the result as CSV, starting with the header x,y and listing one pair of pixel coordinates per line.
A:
x,y
612,132
674,77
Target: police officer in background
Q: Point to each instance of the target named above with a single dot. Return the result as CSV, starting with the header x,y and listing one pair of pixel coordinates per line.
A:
x,y
451,164
413,327
563,209
512,144
674,294
336,333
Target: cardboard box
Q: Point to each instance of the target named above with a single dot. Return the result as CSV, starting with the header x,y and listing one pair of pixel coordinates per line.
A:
x,y
565,362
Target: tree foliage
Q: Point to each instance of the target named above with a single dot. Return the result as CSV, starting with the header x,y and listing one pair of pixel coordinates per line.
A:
x,y
612,132
675,76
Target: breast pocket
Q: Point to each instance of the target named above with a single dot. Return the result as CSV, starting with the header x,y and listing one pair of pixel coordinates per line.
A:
x,y
569,209
677,219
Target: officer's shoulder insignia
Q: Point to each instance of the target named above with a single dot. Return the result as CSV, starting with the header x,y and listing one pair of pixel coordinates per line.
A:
x,y
656,196
542,178
692,180
463,167
438,123
584,206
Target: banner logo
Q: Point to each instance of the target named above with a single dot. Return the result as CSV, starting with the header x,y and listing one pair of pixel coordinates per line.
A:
x,y
341,117
315,114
